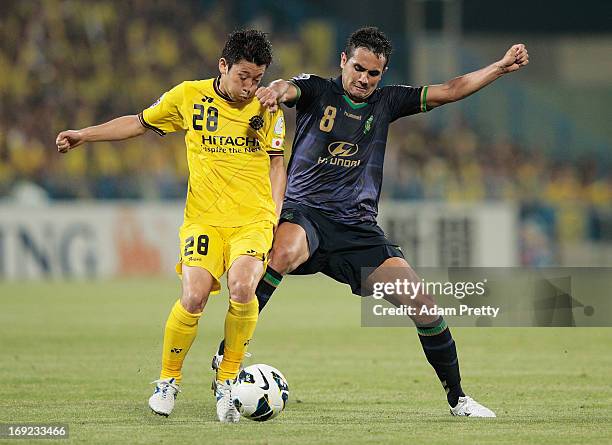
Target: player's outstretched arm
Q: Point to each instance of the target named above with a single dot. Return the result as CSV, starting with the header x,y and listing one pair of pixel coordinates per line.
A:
x,y
278,92
118,129
278,182
459,87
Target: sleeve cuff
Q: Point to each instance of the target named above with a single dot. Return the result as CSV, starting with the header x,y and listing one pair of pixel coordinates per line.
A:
x,y
149,126
424,99
297,98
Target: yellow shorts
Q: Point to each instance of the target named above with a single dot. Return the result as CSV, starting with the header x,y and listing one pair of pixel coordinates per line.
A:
x,y
215,248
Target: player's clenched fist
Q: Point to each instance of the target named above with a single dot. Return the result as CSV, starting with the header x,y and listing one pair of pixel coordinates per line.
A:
x,y
515,58
268,98
67,140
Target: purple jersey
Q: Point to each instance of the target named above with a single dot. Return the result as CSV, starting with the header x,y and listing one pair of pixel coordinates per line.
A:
x,y
336,163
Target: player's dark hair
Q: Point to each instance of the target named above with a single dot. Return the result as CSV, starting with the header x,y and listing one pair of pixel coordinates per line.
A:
x,y
247,44
370,38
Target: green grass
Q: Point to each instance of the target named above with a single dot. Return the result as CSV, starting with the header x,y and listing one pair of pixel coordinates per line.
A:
x,y
83,353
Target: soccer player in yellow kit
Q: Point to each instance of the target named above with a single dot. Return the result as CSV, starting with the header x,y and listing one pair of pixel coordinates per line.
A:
x,y
236,187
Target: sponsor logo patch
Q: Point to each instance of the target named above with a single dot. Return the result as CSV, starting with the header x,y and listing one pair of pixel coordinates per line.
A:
x,y
279,127
341,152
343,149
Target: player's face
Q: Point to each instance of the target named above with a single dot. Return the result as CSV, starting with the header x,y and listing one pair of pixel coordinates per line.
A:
x,y
241,80
361,73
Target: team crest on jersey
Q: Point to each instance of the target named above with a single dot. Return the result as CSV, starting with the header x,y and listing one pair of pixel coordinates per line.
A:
x,y
302,76
368,125
256,122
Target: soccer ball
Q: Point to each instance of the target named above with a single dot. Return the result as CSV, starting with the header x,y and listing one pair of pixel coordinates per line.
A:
x,y
260,392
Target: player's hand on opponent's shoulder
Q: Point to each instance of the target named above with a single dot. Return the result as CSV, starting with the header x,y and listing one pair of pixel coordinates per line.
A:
x,y
67,140
268,98
516,58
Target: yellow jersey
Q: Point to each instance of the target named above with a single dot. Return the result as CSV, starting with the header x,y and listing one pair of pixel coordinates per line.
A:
x,y
229,145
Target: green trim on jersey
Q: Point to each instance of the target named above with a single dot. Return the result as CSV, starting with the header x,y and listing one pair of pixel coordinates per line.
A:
x,y
424,99
299,94
353,105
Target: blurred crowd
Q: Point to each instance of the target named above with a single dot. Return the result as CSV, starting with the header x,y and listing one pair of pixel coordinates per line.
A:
x,y
69,64
66,64
559,200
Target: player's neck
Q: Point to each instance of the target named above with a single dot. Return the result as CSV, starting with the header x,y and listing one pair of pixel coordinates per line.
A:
x,y
354,100
220,89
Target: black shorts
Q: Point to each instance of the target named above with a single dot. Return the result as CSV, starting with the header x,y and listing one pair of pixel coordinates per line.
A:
x,y
336,249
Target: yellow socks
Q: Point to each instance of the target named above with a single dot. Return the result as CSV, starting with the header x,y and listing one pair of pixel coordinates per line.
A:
x,y
240,323
181,330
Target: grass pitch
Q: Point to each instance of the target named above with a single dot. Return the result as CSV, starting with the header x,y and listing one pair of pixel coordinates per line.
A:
x,y
83,353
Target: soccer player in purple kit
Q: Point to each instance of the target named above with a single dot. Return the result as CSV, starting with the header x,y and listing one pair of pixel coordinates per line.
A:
x,y
328,222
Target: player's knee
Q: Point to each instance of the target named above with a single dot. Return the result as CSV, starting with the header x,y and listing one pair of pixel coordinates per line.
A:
x,y
285,259
423,316
241,291
194,299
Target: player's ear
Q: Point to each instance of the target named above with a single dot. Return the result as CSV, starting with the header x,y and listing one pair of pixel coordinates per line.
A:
x,y
223,67
343,59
